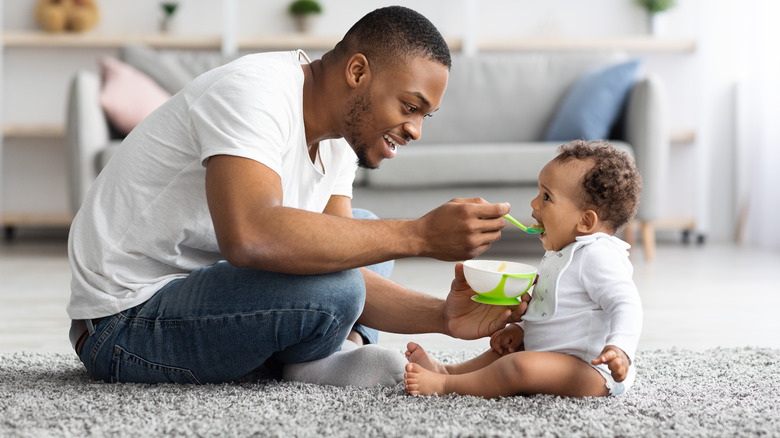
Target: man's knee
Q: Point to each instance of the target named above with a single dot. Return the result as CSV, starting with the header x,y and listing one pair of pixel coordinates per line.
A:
x,y
350,294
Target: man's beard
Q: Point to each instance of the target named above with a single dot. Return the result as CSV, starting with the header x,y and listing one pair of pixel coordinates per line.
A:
x,y
359,110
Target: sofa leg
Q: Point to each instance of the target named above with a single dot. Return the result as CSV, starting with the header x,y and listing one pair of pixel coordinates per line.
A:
x,y
648,239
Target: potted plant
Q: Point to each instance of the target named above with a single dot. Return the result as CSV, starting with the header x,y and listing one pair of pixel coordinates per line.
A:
x,y
654,8
303,12
169,9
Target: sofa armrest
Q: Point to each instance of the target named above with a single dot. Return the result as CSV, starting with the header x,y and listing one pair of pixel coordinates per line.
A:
x,y
647,131
86,134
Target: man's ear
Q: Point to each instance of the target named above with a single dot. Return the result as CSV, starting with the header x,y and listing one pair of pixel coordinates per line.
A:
x,y
358,70
588,222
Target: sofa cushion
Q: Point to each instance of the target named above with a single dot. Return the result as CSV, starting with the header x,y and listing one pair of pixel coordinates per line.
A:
x,y
507,97
172,69
127,95
462,165
593,103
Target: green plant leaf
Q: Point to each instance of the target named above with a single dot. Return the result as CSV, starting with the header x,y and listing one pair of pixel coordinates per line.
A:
x,y
655,6
305,7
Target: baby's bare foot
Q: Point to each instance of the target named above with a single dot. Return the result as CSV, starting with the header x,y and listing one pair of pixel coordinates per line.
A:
x,y
416,354
419,381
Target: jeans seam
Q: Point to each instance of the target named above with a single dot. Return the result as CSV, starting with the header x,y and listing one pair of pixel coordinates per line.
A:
x,y
116,368
101,340
209,317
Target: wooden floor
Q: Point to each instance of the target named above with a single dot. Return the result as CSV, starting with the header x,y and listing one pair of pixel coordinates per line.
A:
x,y
694,297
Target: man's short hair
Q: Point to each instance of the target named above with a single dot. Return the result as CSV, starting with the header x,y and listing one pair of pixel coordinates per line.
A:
x,y
612,185
391,36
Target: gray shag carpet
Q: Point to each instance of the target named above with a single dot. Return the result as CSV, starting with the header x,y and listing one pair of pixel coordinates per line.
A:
x,y
717,392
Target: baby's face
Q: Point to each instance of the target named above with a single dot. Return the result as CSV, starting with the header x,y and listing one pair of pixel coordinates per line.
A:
x,y
556,206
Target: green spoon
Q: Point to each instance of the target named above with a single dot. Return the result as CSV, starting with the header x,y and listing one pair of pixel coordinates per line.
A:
x,y
535,229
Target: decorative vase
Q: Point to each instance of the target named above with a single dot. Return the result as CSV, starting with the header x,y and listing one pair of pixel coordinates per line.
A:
x,y
169,9
165,24
303,22
657,24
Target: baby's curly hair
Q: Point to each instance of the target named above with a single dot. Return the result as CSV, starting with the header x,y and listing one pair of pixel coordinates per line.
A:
x,y
612,186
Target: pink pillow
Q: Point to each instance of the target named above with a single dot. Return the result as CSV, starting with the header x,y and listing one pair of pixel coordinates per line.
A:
x,y
128,95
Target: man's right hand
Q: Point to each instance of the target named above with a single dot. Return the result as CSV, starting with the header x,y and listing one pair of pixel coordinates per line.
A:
x,y
462,228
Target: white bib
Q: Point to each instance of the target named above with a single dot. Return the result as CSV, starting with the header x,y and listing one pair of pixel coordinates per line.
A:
x,y
544,303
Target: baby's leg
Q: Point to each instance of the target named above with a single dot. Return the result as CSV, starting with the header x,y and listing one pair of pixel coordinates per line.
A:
x,y
525,372
416,354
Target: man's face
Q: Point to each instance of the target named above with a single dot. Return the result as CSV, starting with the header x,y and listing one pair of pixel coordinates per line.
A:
x,y
389,111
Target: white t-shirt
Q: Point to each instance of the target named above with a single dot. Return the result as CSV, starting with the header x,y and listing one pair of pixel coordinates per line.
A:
x,y
145,221
584,300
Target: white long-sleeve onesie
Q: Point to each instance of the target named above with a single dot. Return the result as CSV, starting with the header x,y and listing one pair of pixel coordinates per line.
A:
x,y
584,300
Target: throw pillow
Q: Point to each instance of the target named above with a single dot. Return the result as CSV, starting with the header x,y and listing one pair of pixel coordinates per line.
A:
x,y
593,103
127,95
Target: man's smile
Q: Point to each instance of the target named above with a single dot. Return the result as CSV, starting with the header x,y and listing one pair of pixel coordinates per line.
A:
x,y
392,145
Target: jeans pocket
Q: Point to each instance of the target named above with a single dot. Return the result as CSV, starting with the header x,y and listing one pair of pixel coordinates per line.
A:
x,y
128,367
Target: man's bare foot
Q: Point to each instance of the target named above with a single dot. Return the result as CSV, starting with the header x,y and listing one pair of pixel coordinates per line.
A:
x,y
416,354
419,381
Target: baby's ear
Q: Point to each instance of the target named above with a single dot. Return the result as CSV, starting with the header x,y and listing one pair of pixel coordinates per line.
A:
x,y
588,222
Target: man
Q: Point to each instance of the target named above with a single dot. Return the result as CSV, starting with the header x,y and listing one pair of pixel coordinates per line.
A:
x,y
220,237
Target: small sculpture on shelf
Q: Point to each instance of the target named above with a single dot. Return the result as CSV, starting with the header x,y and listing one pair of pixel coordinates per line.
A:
x,y
303,12
67,15
169,9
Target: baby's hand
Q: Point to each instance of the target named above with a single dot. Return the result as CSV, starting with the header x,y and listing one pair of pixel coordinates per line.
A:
x,y
617,361
507,340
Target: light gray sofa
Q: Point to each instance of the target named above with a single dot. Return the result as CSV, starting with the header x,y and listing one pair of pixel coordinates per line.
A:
x,y
485,141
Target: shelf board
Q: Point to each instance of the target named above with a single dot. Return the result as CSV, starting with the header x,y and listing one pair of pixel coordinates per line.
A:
x,y
37,220
37,39
32,130
632,43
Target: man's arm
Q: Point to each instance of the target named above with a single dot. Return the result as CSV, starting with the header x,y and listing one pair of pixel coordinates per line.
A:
x,y
254,229
393,308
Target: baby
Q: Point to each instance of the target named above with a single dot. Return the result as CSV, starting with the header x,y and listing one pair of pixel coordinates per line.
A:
x,y
580,332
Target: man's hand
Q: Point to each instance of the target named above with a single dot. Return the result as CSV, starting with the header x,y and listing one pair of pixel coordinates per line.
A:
x,y
467,319
617,361
462,228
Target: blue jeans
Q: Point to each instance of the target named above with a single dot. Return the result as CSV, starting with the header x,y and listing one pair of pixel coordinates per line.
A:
x,y
222,323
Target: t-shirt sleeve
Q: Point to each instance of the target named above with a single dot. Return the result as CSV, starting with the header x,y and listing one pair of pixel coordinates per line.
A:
x,y
243,115
606,275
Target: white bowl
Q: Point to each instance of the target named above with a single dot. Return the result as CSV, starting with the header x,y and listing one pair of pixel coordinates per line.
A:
x,y
498,282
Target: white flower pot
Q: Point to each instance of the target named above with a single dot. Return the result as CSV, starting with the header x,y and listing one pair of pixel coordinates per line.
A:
x,y
304,22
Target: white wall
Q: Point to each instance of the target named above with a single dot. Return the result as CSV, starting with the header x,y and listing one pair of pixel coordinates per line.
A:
x,y
496,17
698,84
